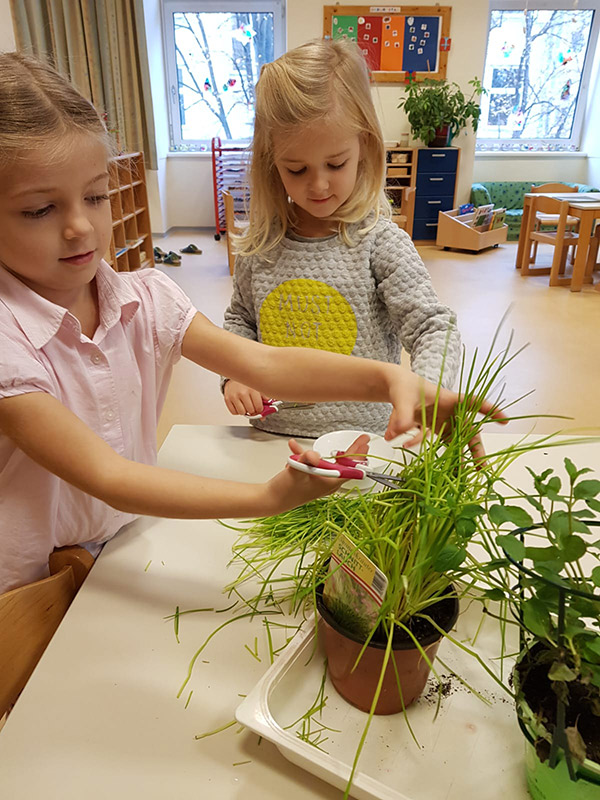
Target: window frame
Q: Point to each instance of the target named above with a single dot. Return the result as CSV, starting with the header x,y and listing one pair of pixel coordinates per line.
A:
x,y
169,8
486,145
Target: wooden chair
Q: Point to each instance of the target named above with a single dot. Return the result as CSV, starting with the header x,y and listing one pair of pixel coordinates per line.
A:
x,y
561,239
232,225
29,616
551,220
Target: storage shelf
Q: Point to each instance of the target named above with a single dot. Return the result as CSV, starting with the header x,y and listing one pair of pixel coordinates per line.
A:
x,y
229,165
131,244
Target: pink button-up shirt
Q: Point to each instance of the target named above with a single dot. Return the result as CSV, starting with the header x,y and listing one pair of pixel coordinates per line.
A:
x,y
115,382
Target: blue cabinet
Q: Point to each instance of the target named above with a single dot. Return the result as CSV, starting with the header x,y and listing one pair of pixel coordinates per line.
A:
x,y
435,184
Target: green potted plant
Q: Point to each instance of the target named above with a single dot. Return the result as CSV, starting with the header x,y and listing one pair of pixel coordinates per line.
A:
x,y
553,587
438,110
418,535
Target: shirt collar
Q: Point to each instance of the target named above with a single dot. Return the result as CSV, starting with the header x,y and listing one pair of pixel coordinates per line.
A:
x,y
40,319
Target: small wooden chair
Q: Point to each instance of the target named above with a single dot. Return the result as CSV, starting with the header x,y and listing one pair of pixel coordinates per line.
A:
x,y
561,239
551,220
30,615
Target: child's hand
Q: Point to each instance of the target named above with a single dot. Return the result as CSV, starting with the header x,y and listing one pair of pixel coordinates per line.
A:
x,y
291,488
408,395
241,399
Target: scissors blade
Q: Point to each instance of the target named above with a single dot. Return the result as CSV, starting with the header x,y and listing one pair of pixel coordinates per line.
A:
x,y
391,481
288,405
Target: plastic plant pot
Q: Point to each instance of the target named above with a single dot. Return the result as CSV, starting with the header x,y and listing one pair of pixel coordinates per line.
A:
x,y
358,684
545,783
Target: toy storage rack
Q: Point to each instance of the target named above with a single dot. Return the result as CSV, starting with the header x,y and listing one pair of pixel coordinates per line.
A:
x,y
453,231
229,165
131,242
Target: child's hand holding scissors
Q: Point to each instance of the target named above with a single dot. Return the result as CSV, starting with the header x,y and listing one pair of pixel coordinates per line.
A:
x,y
291,488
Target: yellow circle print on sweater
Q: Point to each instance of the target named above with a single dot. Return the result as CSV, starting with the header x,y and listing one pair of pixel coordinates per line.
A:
x,y
306,313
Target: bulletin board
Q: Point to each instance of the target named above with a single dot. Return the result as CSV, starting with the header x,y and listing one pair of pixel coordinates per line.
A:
x,y
400,43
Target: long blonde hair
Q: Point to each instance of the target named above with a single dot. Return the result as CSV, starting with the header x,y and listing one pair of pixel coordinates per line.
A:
x,y
40,108
299,88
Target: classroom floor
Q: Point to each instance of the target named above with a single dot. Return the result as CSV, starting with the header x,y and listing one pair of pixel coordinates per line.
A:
x,y
560,329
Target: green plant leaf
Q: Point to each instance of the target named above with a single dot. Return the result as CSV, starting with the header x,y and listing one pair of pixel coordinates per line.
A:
x,y
542,554
512,546
465,527
570,468
573,548
586,489
514,514
560,523
536,618
472,510
593,504
494,594
450,558
559,671
595,575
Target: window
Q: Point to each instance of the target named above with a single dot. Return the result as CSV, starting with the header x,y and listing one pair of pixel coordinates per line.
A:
x,y
537,69
214,51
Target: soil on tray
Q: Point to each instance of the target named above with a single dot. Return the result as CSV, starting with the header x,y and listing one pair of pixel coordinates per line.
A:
x,y
542,700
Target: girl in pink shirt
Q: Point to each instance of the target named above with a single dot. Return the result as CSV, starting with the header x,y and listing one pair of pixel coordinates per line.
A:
x,y
86,353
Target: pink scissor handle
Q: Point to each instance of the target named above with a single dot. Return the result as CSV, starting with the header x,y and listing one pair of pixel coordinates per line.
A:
x,y
327,469
269,407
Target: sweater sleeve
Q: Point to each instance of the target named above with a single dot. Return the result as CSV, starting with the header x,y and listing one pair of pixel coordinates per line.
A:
x,y
240,317
426,328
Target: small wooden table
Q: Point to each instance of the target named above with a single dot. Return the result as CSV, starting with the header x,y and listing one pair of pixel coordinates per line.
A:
x,y
585,206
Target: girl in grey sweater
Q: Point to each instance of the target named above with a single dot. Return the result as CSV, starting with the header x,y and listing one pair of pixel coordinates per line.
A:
x,y
321,264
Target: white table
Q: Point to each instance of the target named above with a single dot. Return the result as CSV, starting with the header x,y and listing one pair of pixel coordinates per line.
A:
x,y
99,718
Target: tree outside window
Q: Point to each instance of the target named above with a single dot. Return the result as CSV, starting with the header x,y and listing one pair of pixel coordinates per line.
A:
x,y
535,67
214,61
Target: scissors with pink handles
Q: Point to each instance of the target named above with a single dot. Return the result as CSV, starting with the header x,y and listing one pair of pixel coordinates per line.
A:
x,y
273,406
344,467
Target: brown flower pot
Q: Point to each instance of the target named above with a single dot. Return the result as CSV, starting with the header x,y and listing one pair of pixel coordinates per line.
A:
x,y
358,686
442,137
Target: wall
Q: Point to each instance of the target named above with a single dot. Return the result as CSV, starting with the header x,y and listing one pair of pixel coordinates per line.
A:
x,y
7,37
571,167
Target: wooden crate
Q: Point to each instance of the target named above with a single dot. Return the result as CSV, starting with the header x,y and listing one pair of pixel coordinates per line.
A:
x,y
454,232
131,243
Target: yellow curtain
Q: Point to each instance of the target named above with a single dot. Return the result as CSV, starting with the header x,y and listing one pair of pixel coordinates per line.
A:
x,y
96,44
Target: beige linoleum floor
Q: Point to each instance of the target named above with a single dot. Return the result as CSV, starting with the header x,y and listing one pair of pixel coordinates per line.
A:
x,y
561,362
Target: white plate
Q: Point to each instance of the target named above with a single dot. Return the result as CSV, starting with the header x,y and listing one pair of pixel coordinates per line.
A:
x,y
379,448
472,751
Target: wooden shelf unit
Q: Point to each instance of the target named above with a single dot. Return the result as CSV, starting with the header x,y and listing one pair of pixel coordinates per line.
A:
x,y
131,244
400,172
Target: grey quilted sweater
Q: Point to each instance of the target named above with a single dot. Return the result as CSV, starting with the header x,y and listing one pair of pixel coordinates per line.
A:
x,y
369,300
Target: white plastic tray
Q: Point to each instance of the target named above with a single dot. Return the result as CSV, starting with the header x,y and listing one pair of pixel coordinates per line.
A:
x,y
472,751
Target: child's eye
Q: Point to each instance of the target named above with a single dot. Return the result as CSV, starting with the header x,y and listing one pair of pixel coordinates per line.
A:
x,y
338,166
297,171
39,212
98,198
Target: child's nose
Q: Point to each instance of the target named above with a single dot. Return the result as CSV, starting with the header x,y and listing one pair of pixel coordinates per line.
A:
x,y
320,181
77,225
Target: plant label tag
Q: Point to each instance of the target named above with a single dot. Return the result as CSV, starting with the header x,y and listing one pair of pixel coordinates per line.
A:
x,y
355,587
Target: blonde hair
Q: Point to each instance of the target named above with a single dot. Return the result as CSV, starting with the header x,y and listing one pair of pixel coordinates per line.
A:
x,y
301,87
40,108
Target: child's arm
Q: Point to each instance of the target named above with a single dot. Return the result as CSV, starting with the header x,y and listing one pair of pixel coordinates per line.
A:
x,y
297,373
426,328
58,440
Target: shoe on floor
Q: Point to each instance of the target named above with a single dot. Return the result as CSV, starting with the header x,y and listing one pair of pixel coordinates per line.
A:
x,y
191,248
158,253
173,259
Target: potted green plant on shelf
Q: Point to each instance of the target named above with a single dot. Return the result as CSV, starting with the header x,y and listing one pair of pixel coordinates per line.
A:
x,y
438,110
553,587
